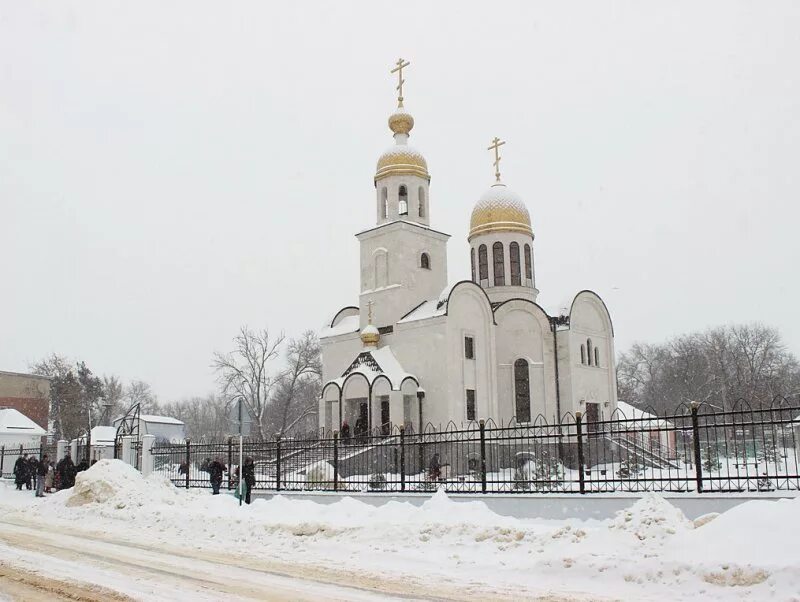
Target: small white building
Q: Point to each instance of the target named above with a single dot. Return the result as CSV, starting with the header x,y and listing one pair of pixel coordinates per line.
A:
x,y
103,438
164,428
17,429
417,349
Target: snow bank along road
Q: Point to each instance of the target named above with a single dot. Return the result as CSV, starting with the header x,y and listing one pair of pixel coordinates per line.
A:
x,y
116,535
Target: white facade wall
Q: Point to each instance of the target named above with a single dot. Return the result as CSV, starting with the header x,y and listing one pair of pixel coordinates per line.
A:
x,y
391,272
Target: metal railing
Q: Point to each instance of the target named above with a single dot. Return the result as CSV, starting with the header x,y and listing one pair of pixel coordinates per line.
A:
x,y
693,449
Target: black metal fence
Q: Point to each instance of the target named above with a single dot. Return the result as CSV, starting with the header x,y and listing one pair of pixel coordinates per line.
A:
x,y
9,455
694,449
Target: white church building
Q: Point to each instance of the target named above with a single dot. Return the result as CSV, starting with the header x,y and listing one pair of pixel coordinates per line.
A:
x,y
417,348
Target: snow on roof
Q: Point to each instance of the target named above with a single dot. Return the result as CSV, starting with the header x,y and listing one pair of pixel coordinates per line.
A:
x,y
630,412
433,308
372,363
15,422
160,419
103,434
346,325
558,309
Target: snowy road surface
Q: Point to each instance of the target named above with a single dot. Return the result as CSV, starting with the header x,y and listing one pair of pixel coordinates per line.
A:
x,y
141,572
116,535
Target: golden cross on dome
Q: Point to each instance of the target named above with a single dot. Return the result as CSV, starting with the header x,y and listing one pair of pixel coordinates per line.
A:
x,y
496,144
401,64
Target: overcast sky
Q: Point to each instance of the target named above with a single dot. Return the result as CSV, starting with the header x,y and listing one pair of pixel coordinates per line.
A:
x,y
172,170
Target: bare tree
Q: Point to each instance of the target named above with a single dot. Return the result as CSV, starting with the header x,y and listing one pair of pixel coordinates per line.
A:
x,y
296,395
113,395
718,366
140,392
246,372
204,417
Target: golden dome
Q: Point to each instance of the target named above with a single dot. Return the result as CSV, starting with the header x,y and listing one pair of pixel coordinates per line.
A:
x,y
402,160
401,122
499,210
370,336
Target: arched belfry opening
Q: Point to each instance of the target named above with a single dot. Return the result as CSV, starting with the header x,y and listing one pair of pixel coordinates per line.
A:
x,y
402,196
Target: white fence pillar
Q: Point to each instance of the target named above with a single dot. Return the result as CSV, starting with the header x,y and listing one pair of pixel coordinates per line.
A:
x,y
61,449
127,449
73,450
147,454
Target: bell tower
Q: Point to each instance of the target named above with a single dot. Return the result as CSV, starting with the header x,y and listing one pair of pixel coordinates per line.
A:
x,y
403,260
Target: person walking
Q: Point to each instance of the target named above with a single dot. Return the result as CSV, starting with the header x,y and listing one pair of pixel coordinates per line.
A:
x,y
435,468
249,476
345,433
41,474
33,472
215,470
21,468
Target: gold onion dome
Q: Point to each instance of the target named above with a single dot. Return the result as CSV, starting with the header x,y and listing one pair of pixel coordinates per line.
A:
x,y
370,336
500,210
401,122
401,159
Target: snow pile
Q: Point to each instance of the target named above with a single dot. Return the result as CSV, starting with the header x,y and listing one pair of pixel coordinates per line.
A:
x,y
113,482
651,517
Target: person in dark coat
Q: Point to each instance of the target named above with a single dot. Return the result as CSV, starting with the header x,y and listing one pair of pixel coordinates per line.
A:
x,y
33,465
41,474
82,465
360,430
249,475
435,468
21,468
345,432
66,472
215,470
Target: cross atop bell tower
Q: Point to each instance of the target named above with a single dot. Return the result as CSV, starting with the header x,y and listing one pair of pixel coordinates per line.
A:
x,y
496,144
401,64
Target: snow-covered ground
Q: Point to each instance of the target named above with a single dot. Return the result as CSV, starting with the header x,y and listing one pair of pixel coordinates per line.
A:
x,y
445,549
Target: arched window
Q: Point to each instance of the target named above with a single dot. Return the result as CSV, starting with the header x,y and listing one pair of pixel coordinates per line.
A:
x,y
596,356
472,262
421,201
528,263
583,354
589,351
403,205
385,203
522,391
499,264
513,251
425,261
483,263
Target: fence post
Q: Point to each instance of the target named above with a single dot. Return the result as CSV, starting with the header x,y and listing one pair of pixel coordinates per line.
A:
x,y
482,426
73,450
61,449
230,461
2,459
147,454
127,451
336,460
402,458
188,461
698,464
278,462
579,433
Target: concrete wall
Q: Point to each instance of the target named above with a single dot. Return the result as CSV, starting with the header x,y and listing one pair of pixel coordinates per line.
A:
x,y
544,506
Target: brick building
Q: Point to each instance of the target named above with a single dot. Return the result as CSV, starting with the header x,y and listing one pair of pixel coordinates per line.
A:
x,y
26,393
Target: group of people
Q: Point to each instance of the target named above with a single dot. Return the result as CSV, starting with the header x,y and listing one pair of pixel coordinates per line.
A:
x,y
216,468
360,430
44,475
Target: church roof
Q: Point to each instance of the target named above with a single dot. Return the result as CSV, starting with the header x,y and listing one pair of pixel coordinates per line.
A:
x,y
14,422
346,325
375,364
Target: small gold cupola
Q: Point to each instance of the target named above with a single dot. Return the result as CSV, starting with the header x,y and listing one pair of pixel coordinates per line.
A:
x,y
370,336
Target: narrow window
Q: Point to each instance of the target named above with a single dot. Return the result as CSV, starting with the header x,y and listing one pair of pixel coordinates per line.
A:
x,y
483,263
528,265
425,261
470,404
421,201
596,356
513,251
469,348
385,203
499,264
522,390
472,262
403,200
583,354
589,351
